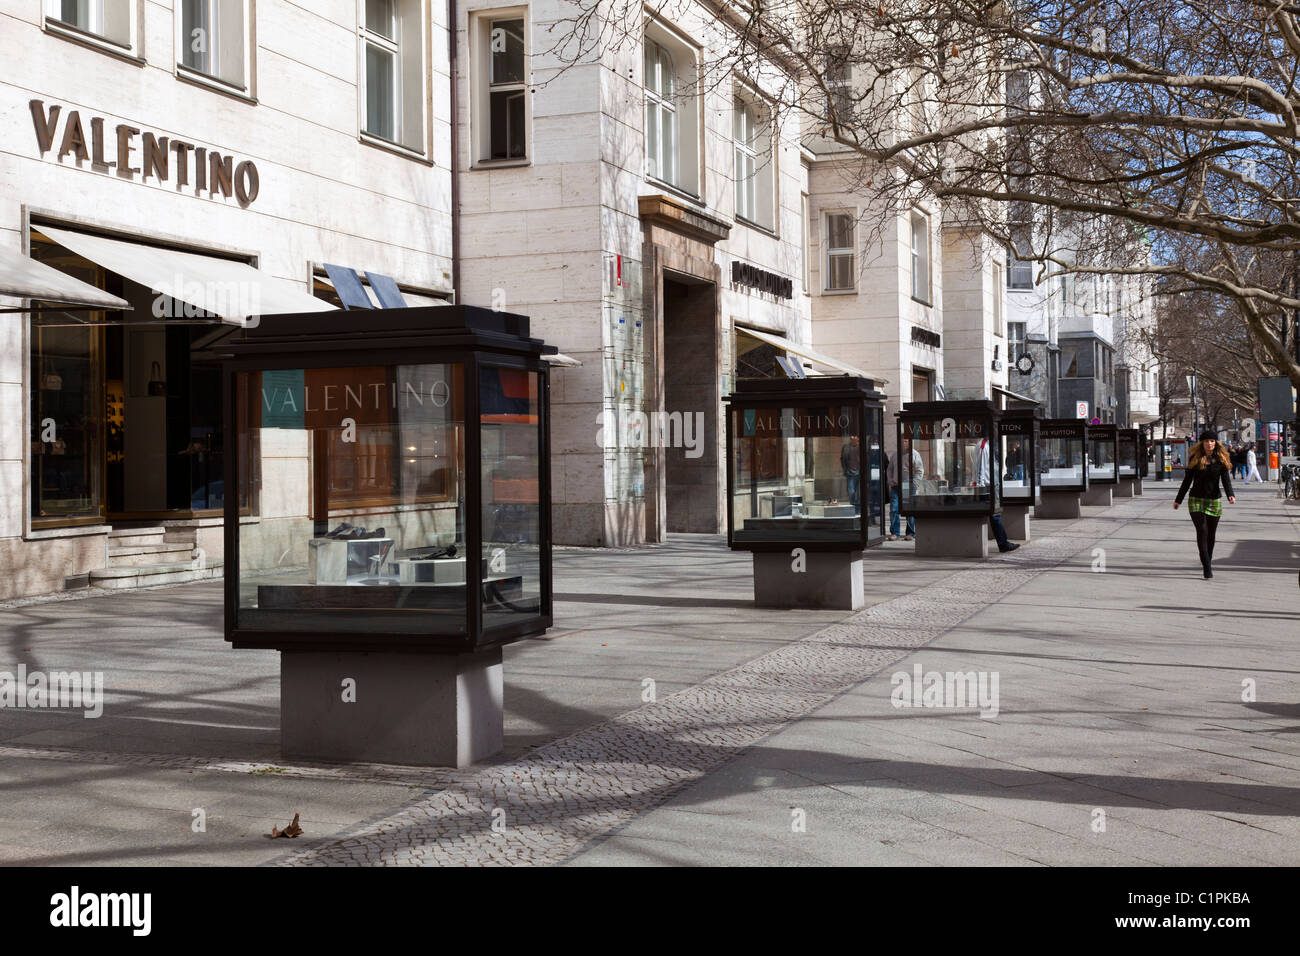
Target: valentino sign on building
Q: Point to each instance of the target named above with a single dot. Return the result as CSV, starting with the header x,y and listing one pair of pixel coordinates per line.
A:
x,y
199,163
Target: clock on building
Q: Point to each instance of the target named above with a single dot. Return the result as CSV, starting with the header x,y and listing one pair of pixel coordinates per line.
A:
x,y
1025,364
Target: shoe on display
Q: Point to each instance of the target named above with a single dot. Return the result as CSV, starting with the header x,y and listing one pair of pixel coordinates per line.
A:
x,y
338,532
377,533
1010,547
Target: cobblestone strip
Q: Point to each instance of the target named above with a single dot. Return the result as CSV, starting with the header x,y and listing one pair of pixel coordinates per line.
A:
x,y
544,807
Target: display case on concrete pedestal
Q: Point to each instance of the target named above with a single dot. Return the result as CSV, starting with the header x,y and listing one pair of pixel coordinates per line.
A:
x,y
1103,464
1061,467
957,491
806,486
1017,452
391,521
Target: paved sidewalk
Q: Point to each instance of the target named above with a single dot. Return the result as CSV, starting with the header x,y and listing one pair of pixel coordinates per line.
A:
x,y
190,724
1120,705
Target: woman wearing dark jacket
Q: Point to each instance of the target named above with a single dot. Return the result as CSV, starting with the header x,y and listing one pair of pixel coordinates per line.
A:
x,y
1208,466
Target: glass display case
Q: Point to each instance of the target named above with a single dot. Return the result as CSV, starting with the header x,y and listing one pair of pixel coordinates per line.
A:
x,y
1103,452
805,464
1061,461
1129,455
393,470
1017,452
951,447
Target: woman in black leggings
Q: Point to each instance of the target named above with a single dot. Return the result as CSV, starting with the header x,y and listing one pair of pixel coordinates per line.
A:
x,y
1207,468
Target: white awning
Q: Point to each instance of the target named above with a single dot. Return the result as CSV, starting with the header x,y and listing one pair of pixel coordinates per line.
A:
x,y
234,291
1016,396
562,360
25,278
808,352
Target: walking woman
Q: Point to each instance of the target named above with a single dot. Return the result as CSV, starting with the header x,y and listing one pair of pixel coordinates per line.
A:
x,y
1208,466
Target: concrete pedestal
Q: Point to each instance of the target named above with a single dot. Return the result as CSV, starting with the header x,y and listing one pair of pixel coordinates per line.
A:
x,y
952,536
1098,495
1058,504
1015,519
1137,486
1124,488
829,579
441,710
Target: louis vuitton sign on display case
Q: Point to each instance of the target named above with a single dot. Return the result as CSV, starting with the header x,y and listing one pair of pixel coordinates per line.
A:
x,y
391,523
1061,467
951,449
806,486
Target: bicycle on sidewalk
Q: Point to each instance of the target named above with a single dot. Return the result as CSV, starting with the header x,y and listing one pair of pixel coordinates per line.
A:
x,y
1288,480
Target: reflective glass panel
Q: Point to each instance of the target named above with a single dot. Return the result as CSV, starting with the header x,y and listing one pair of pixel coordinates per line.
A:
x,y
956,465
357,478
800,474
510,435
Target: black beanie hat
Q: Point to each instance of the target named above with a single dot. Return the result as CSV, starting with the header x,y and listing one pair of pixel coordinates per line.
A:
x,y
1208,435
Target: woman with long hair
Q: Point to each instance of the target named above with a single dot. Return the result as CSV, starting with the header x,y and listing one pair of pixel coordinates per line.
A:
x,y
1208,467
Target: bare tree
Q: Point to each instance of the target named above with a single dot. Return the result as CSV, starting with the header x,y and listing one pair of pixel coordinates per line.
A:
x,y
1143,137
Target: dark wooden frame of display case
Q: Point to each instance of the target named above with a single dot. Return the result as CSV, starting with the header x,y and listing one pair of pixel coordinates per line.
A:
x,y
930,411
821,390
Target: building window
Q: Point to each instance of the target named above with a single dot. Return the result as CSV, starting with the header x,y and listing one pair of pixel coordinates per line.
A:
x,y
753,152
660,113
392,71
803,252
920,258
109,20
997,299
838,76
671,113
1015,340
1069,362
213,40
840,228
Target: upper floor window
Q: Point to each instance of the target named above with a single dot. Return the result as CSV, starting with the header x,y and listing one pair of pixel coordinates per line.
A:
x,y
660,113
840,230
921,257
499,69
213,40
1015,340
110,20
838,77
753,152
392,71
997,298
671,113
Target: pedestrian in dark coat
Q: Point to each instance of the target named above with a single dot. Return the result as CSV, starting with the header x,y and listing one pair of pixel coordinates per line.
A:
x,y
1208,467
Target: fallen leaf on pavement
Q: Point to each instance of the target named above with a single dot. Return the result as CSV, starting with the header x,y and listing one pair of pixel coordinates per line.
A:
x,y
292,830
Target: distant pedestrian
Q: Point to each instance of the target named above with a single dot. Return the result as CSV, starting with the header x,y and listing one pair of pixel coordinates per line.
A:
x,y
982,481
1208,466
1251,470
1238,458
851,464
911,468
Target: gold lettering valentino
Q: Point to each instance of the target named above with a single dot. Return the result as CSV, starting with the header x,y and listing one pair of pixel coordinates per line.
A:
x,y
145,155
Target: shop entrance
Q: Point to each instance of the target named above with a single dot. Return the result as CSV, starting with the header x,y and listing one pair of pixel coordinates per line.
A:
x,y
691,405
125,412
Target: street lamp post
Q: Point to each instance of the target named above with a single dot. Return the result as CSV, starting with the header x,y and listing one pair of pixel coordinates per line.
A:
x,y
1196,414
